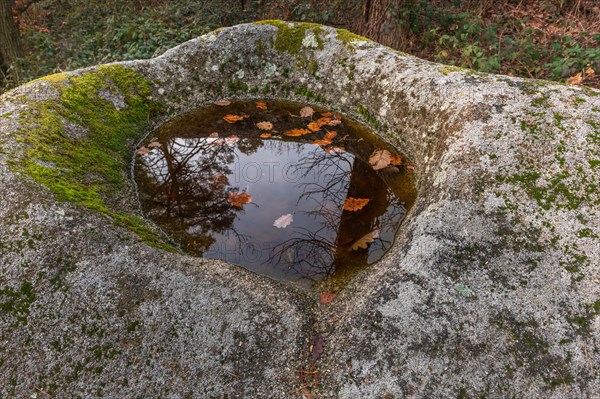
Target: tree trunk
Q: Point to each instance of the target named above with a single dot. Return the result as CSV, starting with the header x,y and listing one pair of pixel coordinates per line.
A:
x,y
10,41
380,22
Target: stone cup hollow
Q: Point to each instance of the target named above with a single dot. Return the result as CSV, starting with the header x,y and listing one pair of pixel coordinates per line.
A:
x,y
294,192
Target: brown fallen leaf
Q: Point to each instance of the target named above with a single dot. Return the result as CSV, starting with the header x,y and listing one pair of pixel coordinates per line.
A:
x,y
296,132
322,142
232,118
327,114
261,105
326,297
239,199
330,135
365,240
264,125
335,121
222,103
317,347
154,144
213,135
589,72
265,136
355,204
396,159
318,124
575,79
143,151
380,159
307,112
334,149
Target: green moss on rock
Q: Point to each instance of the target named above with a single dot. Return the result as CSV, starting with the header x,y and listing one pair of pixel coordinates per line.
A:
x,y
347,37
290,36
79,146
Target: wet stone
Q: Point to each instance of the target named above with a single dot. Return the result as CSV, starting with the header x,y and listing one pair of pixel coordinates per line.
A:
x,y
296,193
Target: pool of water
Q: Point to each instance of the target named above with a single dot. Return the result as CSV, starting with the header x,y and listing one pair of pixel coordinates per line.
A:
x,y
289,191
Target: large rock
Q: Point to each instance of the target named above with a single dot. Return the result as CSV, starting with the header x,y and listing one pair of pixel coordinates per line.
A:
x,y
491,290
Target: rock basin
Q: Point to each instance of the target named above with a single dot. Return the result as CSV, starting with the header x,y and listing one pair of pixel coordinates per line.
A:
x,y
491,290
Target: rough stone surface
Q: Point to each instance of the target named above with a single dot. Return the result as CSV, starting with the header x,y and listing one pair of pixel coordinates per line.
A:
x,y
492,290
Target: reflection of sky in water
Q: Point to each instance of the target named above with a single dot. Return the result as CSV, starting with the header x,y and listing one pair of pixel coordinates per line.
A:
x,y
282,177
185,184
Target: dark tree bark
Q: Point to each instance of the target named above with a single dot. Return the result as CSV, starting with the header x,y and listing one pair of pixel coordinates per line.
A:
x,y
10,40
380,22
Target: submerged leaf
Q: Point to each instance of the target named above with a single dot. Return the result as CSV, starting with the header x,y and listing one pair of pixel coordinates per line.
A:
x,y
213,135
396,159
265,136
322,142
355,204
283,221
239,199
264,125
307,112
154,144
380,159
143,151
261,105
222,103
318,124
330,135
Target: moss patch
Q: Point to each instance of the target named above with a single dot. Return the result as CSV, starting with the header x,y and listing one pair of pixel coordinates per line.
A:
x,y
17,302
347,37
88,166
290,35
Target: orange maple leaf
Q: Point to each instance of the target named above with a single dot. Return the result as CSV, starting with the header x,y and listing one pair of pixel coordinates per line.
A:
x,y
318,124
330,135
296,132
232,118
239,199
396,159
355,204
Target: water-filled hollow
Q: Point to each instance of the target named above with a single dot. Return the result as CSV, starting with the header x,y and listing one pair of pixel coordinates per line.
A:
x,y
294,192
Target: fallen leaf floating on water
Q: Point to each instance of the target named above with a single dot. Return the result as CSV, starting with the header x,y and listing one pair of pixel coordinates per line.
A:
x,y
213,135
396,159
283,221
336,121
143,151
327,114
307,112
365,240
232,140
296,132
264,125
334,149
380,159
326,297
355,204
322,142
265,136
330,135
315,126
222,103
261,105
232,118
154,144
239,199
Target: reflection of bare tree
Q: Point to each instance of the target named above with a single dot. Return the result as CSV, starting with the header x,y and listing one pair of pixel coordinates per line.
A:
x,y
186,186
316,254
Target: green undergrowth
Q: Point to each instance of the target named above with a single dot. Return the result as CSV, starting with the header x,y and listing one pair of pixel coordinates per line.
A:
x,y
79,146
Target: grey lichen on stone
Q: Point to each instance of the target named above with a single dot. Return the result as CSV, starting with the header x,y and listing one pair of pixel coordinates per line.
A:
x,y
490,290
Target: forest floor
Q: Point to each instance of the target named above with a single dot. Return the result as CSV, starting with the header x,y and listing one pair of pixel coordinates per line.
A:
x,y
545,39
